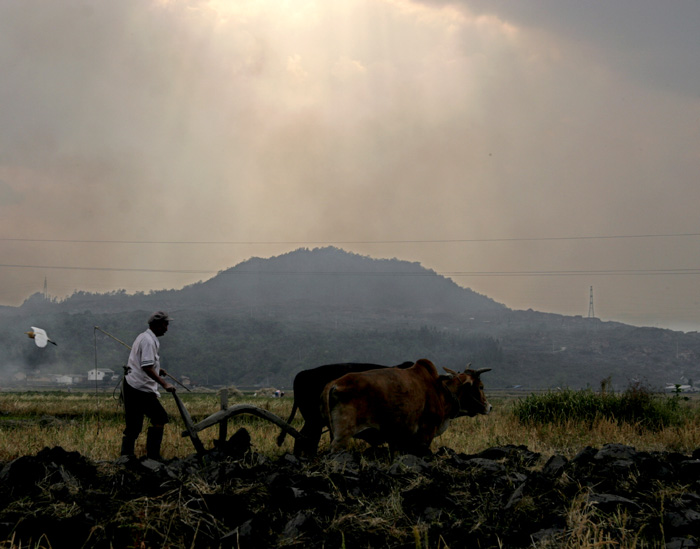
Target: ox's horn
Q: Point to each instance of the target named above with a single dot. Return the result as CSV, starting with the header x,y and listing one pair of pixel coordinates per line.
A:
x,y
481,371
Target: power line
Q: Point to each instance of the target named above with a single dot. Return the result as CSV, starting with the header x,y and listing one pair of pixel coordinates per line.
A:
x,y
329,242
125,269
582,272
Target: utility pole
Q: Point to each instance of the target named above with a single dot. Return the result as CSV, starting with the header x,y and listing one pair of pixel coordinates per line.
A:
x,y
46,289
591,314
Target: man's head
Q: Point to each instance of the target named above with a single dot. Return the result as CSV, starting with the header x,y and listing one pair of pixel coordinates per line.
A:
x,y
158,322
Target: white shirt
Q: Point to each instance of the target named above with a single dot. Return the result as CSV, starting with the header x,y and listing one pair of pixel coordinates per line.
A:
x,y
144,352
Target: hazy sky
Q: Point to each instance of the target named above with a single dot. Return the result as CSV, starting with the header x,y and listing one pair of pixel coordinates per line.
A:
x,y
528,149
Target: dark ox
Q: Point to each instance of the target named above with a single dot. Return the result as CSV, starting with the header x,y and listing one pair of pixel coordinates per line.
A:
x,y
407,408
308,386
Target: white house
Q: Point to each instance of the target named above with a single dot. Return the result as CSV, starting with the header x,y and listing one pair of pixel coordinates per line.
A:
x,y
64,379
100,374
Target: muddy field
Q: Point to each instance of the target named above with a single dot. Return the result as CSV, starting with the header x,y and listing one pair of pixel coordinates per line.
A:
x,y
234,497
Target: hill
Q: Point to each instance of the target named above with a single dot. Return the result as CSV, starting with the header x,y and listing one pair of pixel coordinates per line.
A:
x,y
332,278
262,321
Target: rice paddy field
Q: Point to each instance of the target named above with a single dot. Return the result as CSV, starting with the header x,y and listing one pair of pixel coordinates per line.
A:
x,y
91,423
569,469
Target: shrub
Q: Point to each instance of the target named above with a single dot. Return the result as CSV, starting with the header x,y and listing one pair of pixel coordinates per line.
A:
x,y
636,406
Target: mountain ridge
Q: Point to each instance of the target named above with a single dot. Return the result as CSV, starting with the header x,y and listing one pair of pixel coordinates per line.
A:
x,y
263,320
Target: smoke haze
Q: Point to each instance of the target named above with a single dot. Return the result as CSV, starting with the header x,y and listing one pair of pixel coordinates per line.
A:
x,y
150,144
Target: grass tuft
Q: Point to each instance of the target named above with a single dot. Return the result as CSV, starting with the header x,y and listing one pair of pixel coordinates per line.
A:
x,y
637,406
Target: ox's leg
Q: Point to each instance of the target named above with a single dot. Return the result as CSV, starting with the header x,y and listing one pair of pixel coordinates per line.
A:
x,y
343,427
307,444
342,419
283,433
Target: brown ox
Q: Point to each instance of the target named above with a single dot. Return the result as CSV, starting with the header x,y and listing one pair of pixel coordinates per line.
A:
x,y
308,387
407,408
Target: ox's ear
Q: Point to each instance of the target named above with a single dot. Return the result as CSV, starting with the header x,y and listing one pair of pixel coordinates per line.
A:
x,y
451,372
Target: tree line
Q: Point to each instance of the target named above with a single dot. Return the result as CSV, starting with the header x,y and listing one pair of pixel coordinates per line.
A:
x,y
214,348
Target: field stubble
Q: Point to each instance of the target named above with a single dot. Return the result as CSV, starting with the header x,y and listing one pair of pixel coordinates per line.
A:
x,y
92,424
410,509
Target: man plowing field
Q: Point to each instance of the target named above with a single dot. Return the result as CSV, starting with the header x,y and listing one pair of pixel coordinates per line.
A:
x,y
140,389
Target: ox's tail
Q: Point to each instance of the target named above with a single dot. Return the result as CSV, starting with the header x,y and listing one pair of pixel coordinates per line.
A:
x,y
283,433
328,401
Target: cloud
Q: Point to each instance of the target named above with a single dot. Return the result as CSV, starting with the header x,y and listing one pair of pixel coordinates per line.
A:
x,y
357,121
346,68
648,42
9,196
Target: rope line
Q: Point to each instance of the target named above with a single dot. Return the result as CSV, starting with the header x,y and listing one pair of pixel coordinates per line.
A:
x,y
329,242
587,272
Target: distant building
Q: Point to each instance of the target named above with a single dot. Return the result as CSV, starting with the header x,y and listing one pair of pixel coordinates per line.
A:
x,y
680,388
64,379
100,374
40,379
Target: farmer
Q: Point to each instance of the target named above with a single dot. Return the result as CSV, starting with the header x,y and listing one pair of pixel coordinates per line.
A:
x,y
140,389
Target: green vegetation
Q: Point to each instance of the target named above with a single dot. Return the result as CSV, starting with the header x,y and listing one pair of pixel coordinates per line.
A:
x,y
636,406
222,348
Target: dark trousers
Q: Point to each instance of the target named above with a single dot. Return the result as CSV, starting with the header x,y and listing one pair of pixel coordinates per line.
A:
x,y
140,404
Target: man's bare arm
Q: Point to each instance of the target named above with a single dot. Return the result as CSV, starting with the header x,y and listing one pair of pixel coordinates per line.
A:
x,y
151,372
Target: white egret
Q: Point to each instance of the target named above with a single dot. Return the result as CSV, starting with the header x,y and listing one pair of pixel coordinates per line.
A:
x,y
39,336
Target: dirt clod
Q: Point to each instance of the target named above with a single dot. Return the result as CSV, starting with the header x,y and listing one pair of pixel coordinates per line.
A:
x,y
234,497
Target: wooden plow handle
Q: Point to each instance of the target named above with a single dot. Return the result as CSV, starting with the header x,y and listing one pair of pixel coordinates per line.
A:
x,y
191,431
223,416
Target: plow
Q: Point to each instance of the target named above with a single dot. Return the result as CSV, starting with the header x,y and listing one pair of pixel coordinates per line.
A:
x,y
221,418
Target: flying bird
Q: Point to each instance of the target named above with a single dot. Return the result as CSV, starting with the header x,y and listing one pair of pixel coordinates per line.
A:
x,y
39,336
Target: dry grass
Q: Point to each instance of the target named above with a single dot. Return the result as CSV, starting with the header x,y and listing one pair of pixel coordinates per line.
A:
x,y
92,425
471,435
